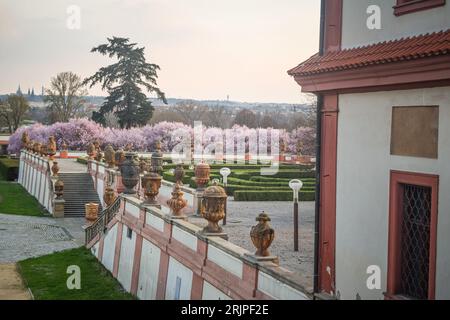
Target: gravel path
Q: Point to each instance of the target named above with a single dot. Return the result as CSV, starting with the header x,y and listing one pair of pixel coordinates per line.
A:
x,y
23,237
241,217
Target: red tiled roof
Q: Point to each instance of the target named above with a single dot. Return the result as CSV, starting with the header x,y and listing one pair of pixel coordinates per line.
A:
x,y
412,48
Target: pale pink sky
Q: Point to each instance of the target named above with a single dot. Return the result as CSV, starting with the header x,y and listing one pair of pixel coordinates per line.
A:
x,y
206,49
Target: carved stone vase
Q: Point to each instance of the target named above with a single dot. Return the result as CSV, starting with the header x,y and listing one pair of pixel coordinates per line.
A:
x,y
25,139
59,189
91,211
262,235
213,202
179,173
109,196
177,202
110,156
202,171
119,157
51,147
91,151
130,173
55,168
151,185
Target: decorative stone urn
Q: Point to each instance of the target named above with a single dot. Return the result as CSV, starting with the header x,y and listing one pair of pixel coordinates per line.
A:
x,y
109,196
119,157
130,172
25,139
91,151
99,155
43,150
110,156
157,159
55,168
179,173
91,211
262,235
202,171
177,203
151,183
213,202
59,189
142,165
64,154
51,147
38,147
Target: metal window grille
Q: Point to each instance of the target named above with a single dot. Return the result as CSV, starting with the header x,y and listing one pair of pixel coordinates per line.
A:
x,y
415,241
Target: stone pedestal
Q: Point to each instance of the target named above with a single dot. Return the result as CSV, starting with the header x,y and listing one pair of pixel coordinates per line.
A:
x,y
119,185
257,259
58,208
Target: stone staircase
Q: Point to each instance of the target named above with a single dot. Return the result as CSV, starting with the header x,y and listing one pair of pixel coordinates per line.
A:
x,y
78,190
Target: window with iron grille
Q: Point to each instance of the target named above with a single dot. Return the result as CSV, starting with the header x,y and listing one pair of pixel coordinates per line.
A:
x,y
415,241
413,217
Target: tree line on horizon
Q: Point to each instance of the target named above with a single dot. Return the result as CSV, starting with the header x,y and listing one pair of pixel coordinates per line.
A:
x,y
127,105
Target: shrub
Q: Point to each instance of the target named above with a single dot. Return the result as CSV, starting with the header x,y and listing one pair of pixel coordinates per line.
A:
x,y
271,195
9,169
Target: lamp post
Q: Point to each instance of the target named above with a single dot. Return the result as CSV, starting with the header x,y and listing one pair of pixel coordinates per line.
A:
x,y
295,185
225,172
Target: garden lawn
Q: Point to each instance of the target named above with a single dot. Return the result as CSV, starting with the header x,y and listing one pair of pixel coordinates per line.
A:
x,y
14,199
47,277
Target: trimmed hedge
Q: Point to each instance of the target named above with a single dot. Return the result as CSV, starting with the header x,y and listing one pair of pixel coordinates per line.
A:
x,y
271,195
232,188
82,160
237,166
279,180
250,183
290,174
9,169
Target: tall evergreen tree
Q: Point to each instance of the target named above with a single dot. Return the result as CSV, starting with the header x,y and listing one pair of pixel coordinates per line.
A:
x,y
123,80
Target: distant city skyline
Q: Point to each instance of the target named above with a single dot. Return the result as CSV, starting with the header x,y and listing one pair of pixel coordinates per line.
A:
x,y
207,50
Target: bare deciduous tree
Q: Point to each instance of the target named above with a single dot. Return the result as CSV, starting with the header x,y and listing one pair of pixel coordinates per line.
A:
x,y
13,111
65,97
190,111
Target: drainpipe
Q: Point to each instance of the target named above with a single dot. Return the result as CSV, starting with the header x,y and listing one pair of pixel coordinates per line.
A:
x,y
318,158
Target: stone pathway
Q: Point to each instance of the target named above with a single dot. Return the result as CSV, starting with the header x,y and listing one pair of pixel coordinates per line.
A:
x,y
23,237
70,166
11,285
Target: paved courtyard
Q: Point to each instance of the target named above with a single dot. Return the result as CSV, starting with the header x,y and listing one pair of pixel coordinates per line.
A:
x,y
241,217
23,237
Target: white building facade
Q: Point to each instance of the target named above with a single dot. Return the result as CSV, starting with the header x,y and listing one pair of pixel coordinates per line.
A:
x,y
383,81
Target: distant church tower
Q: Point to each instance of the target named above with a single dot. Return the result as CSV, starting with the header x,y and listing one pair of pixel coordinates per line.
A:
x,y
42,92
19,91
32,92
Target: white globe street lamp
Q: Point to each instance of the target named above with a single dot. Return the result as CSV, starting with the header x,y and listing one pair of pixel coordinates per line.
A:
x,y
295,185
225,172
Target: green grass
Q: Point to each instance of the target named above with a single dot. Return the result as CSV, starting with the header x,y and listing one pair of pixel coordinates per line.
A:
x,y
14,199
46,277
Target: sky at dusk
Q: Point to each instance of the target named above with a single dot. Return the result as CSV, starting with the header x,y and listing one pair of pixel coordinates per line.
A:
x,y
207,49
